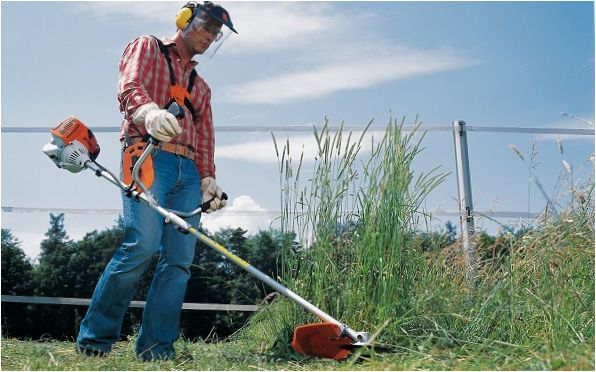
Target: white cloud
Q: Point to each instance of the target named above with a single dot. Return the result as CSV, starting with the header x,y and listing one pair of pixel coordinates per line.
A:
x,y
568,123
242,212
161,12
354,72
267,26
256,151
321,48
263,26
31,241
264,151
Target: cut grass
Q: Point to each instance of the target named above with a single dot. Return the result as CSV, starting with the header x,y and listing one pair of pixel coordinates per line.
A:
x,y
60,355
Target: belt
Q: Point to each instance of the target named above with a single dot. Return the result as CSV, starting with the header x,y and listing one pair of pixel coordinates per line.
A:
x,y
174,148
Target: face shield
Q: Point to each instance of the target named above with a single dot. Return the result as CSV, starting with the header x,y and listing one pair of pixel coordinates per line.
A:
x,y
214,28
212,19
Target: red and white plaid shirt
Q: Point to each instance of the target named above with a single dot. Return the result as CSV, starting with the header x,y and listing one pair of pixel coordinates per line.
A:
x,y
145,77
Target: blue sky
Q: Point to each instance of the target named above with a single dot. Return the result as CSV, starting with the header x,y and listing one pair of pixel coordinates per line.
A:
x,y
293,63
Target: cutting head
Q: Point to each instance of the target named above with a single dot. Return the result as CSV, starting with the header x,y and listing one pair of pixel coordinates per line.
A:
x,y
325,340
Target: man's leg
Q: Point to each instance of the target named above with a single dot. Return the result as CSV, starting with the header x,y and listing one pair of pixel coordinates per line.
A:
x,y
143,231
161,317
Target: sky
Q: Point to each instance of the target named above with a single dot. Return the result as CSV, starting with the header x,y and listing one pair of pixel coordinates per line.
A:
x,y
494,64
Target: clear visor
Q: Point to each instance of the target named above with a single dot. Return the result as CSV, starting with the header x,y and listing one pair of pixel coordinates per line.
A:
x,y
219,32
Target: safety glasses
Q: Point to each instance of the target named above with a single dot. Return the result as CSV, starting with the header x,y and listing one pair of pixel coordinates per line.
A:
x,y
213,29
210,26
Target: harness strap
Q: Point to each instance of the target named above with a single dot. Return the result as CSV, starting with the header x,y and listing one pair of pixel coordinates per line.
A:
x,y
177,92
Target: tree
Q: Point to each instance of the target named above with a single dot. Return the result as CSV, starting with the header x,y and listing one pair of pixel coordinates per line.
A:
x,y
87,262
451,231
52,277
16,280
266,248
211,281
56,237
52,271
71,269
215,279
16,267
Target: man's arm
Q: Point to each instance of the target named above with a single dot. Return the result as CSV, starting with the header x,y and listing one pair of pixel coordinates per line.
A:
x,y
136,66
206,146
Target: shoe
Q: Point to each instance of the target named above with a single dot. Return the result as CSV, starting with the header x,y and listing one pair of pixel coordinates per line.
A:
x,y
91,352
149,356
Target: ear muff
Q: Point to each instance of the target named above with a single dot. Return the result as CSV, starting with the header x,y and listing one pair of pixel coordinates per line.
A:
x,y
184,17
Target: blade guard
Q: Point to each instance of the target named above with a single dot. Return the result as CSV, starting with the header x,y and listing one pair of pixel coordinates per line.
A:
x,y
321,340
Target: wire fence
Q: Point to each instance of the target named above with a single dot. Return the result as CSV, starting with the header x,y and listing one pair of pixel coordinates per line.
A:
x,y
357,127
272,214
303,128
265,213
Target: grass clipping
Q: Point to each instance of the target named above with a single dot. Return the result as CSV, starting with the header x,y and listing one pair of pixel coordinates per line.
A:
x,y
354,212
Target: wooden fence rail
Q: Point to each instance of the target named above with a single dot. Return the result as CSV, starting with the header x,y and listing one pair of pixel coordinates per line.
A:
x,y
141,304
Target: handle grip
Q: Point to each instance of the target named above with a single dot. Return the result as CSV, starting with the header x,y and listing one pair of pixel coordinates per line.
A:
x,y
205,205
175,109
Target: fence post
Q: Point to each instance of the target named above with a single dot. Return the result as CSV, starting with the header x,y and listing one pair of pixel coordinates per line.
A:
x,y
464,188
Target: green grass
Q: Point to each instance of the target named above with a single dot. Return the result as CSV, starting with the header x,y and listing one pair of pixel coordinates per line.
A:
x,y
531,306
367,269
32,355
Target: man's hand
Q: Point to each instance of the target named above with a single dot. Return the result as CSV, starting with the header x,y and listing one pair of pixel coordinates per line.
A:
x,y
160,124
212,194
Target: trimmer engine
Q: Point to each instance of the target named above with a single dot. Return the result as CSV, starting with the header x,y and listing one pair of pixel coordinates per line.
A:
x,y
72,145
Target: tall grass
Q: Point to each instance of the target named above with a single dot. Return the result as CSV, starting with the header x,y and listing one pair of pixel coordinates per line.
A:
x,y
537,295
355,214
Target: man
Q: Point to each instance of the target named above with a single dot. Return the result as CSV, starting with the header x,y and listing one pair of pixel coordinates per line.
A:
x,y
161,96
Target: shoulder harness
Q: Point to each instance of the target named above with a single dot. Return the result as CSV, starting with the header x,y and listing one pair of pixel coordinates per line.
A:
x,y
179,95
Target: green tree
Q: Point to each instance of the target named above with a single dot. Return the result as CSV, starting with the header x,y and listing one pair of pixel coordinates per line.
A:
x,y
451,231
16,267
52,271
214,279
86,264
16,280
210,281
266,249
52,277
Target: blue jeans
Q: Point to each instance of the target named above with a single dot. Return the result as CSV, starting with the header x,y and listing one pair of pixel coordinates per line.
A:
x,y
176,186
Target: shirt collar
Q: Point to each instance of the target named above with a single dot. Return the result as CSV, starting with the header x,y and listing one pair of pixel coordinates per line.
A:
x,y
179,49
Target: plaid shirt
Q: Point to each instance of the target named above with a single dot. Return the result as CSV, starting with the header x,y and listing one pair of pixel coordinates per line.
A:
x,y
145,77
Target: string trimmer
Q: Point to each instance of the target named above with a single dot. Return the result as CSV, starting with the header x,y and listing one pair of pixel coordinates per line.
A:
x,y
74,148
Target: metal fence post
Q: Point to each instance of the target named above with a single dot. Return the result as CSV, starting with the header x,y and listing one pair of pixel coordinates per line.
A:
x,y
464,188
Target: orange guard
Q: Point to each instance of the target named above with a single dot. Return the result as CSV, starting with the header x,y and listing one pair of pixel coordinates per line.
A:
x,y
321,340
130,156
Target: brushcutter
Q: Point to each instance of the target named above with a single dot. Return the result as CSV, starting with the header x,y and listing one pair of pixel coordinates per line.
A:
x,y
73,147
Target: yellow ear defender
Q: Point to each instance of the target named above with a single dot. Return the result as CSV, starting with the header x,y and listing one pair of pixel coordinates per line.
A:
x,y
184,17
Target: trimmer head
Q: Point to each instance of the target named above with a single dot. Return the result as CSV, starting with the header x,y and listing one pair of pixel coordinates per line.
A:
x,y
325,340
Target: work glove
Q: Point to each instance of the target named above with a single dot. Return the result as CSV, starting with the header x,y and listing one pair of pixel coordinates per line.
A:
x,y
160,124
212,194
